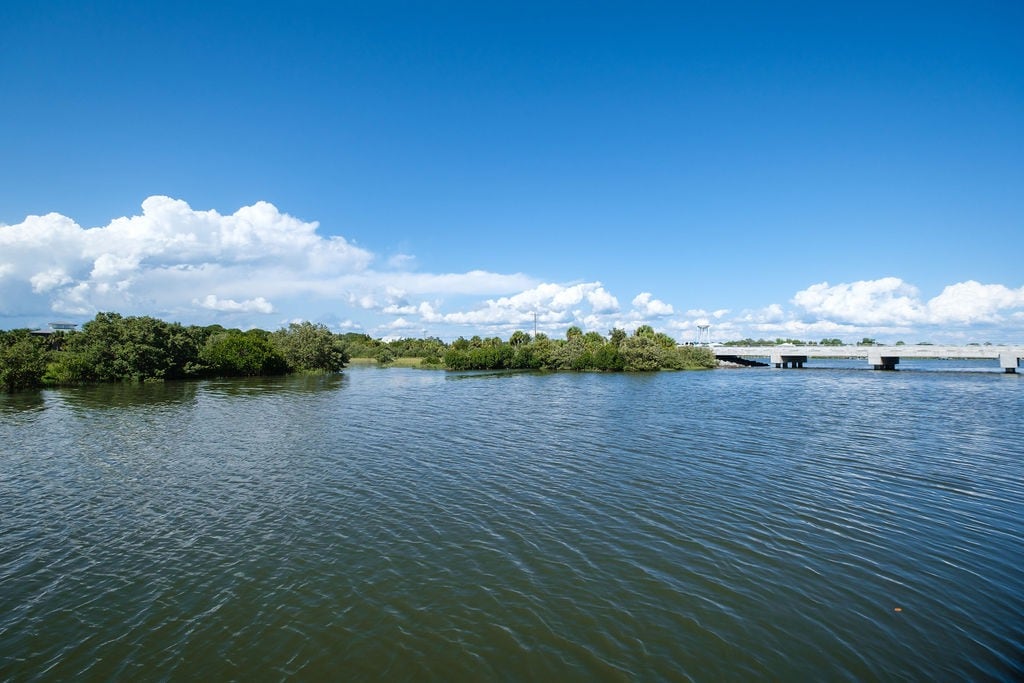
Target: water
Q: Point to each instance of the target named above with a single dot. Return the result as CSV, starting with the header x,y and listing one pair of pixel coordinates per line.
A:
x,y
829,524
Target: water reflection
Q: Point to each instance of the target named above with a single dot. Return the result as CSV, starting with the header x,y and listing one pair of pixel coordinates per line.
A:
x,y
22,401
288,384
120,396
488,374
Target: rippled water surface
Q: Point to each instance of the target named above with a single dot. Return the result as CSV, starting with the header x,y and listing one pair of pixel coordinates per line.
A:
x,y
398,524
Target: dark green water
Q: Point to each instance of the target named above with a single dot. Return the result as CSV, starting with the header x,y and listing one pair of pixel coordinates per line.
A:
x,y
830,524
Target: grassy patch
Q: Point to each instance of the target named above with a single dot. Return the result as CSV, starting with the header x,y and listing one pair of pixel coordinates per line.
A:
x,y
407,362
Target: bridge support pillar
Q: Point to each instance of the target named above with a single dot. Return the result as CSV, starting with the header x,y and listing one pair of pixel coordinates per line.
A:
x,y
880,362
782,361
1009,362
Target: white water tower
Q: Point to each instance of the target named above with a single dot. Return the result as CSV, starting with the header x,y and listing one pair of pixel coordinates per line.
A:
x,y
703,335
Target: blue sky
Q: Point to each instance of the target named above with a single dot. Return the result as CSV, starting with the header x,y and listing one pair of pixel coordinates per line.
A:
x,y
794,169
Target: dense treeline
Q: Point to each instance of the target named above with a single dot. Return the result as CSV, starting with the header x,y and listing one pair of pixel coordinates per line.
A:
x,y
644,350
23,358
827,341
778,341
112,348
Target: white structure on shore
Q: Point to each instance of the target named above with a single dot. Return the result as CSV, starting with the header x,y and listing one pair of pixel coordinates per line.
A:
x,y
704,335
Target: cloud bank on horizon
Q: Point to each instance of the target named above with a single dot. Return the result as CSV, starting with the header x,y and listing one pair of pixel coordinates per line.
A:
x,y
259,267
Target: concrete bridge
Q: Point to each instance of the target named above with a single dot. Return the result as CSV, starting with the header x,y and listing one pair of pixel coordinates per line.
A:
x,y
879,357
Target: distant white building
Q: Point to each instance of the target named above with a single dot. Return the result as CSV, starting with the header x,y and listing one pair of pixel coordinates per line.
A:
x,y
57,328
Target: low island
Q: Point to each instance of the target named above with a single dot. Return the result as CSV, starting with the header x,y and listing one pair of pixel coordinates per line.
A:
x,y
116,348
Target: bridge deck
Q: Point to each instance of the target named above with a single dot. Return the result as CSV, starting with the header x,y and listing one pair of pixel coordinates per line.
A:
x,y
881,357
901,351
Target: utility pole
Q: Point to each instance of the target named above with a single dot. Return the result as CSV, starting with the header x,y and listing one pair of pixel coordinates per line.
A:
x,y
535,324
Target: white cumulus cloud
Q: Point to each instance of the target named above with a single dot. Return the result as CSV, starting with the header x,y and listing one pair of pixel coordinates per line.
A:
x,y
168,259
49,279
257,305
553,304
649,306
192,265
601,301
892,302
866,302
970,302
